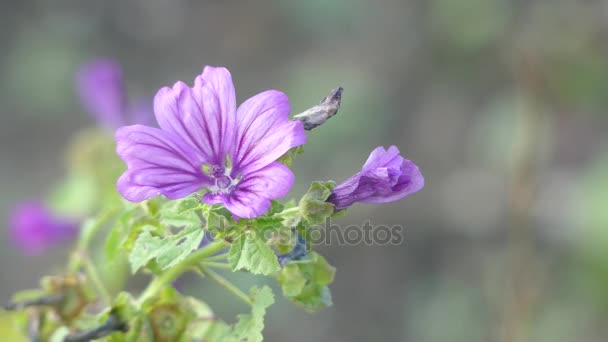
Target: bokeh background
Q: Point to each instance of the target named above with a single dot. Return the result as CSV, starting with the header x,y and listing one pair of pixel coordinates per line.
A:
x,y
501,103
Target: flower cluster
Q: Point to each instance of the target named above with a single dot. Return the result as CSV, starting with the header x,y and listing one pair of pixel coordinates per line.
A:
x,y
200,192
205,142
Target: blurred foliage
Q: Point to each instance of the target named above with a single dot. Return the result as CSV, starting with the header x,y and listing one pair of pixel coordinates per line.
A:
x,y
440,77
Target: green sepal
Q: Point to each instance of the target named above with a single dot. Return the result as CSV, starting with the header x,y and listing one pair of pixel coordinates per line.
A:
x,y
313,206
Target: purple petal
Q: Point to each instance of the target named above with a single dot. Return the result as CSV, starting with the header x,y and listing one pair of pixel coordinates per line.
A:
x,y
215,94
203,116
409,182
385,177
102,92
380,157
247,204
159,163
252,196
35,229
264,130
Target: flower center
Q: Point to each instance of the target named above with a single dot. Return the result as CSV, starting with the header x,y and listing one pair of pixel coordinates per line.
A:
x,y
221,174
223,182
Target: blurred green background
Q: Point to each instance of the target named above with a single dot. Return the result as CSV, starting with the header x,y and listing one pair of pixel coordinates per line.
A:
x,y
501,103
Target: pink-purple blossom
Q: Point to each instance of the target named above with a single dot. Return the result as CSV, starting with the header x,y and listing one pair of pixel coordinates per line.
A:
x,y
34,228
385,177
101,87
205,142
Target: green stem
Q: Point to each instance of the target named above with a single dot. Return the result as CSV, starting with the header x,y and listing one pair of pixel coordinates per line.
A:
x,y
171,274
218,265
288,211
86,236
227,284
93,276
218,257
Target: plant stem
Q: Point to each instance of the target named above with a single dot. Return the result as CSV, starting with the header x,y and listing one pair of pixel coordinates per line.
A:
x,y
287,211
218,257
218,265
171,274
227,284
86,235
93,276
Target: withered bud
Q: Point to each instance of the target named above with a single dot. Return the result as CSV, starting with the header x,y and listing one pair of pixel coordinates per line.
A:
x,y
317,115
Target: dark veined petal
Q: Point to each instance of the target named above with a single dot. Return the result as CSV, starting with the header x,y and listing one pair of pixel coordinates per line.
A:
x,y
252,196
264,130
159,163
204,116
215,94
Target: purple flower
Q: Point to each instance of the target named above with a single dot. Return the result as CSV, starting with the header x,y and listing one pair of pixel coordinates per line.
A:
x,y
385,177
35,229
102,92
204,141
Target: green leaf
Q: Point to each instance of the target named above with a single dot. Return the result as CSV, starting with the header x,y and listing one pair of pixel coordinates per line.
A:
x,y
304,282
249,251
220,332
167,251
181,213
292,280
313,205
250,327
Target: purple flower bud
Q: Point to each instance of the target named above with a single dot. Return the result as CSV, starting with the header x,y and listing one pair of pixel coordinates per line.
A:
x,y
385,177
35,229
102,91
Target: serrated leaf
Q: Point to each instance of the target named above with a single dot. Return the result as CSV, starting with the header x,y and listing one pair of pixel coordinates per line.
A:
x,y
250,326
181,213
249,251
167,251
